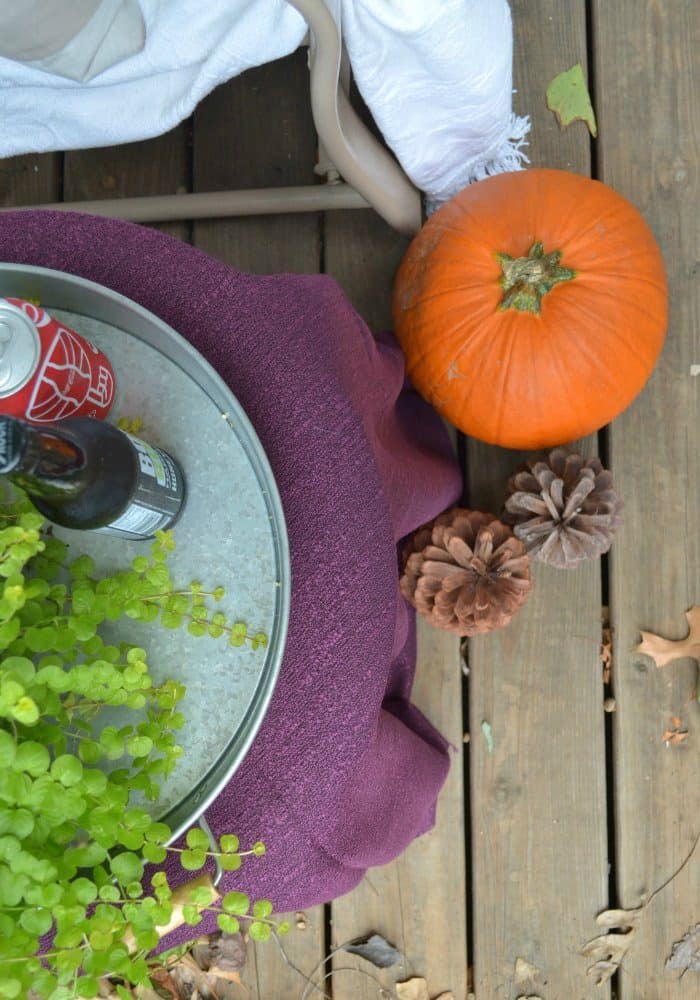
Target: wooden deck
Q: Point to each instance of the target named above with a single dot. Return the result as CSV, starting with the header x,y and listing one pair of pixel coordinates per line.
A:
x,y
572,810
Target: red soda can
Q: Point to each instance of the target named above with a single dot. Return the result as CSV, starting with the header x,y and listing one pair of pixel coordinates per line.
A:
x,y
48,371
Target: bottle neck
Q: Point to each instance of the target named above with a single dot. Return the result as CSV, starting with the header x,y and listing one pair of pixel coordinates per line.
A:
x,y
45,462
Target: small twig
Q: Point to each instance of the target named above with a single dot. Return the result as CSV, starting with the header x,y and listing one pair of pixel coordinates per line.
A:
x,y
675,874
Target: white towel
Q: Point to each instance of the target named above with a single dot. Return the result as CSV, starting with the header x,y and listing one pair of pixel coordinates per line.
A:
x,y
436,77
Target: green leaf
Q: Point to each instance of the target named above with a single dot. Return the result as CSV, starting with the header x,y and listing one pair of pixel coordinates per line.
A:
x,y
83,891
32,757
259,931
192,861
19,668
236,902
36,921
82,567
197,838
109,893
87,986
127,867
25,711
259,849
67,769
191,915
200,896
10,988
229,842
284,928
139,746
568,98
154,853
8,749
228,924
159,833
230,862
262,909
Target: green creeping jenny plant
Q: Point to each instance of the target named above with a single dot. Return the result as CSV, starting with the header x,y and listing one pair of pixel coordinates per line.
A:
x,y
72,845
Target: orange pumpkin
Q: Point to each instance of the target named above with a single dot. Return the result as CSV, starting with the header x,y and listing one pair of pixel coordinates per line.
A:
x,y
531,308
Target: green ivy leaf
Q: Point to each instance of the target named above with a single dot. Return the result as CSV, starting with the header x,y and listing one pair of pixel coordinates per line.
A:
x,y
262,909
259,931
127,867
36,921
67,769
197,839
227,923
236,902
192,861
191,915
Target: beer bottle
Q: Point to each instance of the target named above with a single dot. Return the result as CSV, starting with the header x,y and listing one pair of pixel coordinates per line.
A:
x,y
87,474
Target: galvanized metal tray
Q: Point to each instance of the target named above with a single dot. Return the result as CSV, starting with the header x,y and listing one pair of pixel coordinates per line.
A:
x,y
232,532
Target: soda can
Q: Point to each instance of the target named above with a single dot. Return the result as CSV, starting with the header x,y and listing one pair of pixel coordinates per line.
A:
x,y
48,371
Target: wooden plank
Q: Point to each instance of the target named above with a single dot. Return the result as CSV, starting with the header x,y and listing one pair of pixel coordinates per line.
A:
x,y
418,901
257,131
538,795
155,166
647,79
33,179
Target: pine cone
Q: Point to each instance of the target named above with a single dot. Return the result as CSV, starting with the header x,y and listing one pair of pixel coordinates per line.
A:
x,y
465,572
564,508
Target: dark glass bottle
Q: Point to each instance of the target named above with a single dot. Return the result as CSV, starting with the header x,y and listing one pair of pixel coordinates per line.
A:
x,y
87,474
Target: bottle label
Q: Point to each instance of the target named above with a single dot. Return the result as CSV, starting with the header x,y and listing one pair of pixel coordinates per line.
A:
x,y
158,494
137,520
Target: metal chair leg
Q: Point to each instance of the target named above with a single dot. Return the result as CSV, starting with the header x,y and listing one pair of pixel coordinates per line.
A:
x,y
362,161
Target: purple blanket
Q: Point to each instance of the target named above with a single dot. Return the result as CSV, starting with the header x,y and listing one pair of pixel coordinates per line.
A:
x,y
344,772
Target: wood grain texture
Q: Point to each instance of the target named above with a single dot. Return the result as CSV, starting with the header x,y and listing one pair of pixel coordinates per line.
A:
x,y
418,901
253,132
648,75
538,795
152,167
257,131
30,180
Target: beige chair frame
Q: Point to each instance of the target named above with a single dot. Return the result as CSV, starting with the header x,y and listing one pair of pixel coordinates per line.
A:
x,y
371,177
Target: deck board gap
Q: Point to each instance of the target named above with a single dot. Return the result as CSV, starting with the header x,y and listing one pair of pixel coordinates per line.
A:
x,y
591,70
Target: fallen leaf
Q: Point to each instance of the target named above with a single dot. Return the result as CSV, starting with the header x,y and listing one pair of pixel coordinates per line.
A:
x,y
226,951
568,98
231,976
524,971
165,981
663,651
685,953
412,989
609,949
488,735
375,949
446,996
609,705
674,736
618,918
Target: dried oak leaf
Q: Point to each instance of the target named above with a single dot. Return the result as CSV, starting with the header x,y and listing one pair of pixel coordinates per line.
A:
x,y
676,735
525,975
412,989
610,948
375,949
663,651
685,953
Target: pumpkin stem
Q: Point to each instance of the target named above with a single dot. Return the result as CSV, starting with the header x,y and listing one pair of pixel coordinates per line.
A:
x,y
526,280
